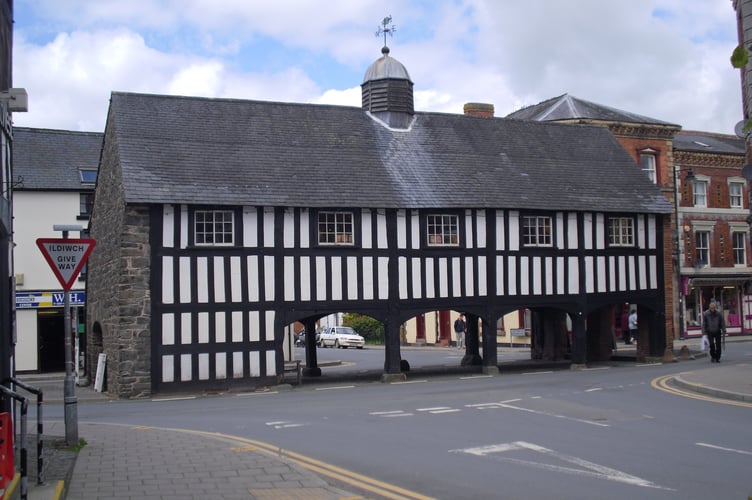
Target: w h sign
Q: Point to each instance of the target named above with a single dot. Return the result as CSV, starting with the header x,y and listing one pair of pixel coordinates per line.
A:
x,y
66,257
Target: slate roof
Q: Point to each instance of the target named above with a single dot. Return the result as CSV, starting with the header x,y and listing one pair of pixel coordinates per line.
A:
x,y
707,142
237,152
568,107
45,159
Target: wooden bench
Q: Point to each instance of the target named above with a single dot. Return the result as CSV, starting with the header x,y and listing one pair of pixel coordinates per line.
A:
x,y
295,366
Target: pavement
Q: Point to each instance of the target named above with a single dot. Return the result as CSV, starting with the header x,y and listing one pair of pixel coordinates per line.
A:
x,y
140,462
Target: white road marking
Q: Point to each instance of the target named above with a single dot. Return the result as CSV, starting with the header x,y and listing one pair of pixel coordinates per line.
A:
x,y
510,401
485,406
379,413
245,394
741,452
596,368
536,373
434,409
409,382
555,415
476,376
594,389
283,424
450,410
179,398
398,415
335,388
587,468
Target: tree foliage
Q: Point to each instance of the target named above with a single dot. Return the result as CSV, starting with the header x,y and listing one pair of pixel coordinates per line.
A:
x,y
371,329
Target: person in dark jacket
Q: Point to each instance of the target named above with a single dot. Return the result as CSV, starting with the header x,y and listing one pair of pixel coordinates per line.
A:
x,y
714,326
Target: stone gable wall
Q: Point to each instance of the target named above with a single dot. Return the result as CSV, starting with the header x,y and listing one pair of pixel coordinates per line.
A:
x,y
118,310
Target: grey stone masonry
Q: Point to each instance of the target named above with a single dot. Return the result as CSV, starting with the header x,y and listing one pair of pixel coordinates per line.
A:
x,y
118,296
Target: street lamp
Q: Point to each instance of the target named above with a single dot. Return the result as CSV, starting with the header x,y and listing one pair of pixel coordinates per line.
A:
x,y
677,248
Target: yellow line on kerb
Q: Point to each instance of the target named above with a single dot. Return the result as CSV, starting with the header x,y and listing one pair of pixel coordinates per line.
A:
x,y
386,490
661,383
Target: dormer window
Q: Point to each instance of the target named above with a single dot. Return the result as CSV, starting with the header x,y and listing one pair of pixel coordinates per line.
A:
x,y
88,177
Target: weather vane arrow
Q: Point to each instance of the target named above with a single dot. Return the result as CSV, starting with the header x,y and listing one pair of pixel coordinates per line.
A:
x,y
385,28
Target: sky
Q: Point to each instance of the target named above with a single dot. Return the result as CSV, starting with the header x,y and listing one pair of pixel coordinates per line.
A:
x,y
665,59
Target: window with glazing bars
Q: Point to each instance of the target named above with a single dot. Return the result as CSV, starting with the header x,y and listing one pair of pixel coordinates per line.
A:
x,y
214,227
621,231
442,230
536,231
336,228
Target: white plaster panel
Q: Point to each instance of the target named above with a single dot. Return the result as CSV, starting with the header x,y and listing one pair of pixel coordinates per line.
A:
x,y
549,277
168,281
219,279
402,271
253,278
512,275
587,227
560,232
186,367
271,363
612,273
220,328
203,366
269,326
622,273
268,227
415,230
250,227
443,278
561,273
203,328
237,326
499,275
352,278
184,279
269,286
366,228
643,272
254,328
430,284
482,273
237,365
305,278
368,283
202,280
168,368
185,328
401,229
574,276
336,278
305,234
168,329
184,226
236,280
602,275
469,277
320,278
589,274
288,228
416,281
220,368
383,276
168,226
456,277
514,231
289,279
524,275
254,361
469,229
572,233
632,273
383,241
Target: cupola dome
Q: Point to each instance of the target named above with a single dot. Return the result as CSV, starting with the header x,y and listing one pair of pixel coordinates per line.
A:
x,y
387,91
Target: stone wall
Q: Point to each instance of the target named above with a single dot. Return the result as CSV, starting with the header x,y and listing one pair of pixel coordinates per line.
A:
x,y
118,273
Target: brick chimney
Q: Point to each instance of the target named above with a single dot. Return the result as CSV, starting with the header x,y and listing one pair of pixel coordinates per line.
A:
x,y
479,109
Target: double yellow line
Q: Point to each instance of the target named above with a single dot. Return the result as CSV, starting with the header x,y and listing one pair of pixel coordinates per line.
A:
x,y
663,384
359,481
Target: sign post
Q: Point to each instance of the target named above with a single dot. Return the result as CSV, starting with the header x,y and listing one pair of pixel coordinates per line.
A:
x,y
67,257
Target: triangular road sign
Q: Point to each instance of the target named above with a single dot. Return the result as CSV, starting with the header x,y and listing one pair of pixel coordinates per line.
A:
x,y
66,257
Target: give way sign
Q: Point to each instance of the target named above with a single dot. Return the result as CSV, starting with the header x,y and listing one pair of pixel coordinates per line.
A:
x,y
66,257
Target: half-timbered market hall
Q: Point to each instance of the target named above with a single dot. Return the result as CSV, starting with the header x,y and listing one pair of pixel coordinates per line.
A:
x,y
220,222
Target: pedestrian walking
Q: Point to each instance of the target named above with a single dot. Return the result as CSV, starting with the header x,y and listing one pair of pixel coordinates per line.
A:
x,y
460,327
632,324
714,326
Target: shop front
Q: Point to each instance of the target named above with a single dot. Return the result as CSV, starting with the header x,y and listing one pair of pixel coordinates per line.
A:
x,y
731,293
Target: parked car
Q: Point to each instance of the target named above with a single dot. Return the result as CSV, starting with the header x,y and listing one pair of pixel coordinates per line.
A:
x,y
341,337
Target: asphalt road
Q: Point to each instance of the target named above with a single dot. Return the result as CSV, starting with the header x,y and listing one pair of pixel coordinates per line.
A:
x,y
592,434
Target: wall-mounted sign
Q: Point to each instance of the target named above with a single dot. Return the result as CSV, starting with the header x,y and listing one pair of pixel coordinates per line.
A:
x,y
36,300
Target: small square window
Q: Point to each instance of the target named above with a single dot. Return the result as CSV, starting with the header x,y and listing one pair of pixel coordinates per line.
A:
x,y
336,228
442,230
621,231
214,227
536,231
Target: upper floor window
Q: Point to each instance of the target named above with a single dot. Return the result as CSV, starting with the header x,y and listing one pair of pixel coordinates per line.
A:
x,y
701,193
647,163
336,228
442,230
214,227
86,203
736,190
621,231
739,241
702,248
536,231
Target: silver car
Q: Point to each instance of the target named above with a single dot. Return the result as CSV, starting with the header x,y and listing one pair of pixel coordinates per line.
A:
x,y
341,337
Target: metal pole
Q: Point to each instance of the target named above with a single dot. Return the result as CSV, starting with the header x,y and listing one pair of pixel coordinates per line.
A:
x,y
69,387
677,241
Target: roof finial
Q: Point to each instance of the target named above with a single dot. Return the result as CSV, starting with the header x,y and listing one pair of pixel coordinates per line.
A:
x,y
385,29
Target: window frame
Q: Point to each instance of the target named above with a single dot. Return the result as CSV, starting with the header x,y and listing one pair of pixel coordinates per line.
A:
x,y
704,249
526,237
652,166
700,192
346,239
736,196
739,252
233,230
444,237
620,234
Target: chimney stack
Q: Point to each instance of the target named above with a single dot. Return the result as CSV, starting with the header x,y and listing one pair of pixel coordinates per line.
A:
x,y
480,109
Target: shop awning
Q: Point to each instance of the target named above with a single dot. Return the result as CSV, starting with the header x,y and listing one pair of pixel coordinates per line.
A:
x,y
720,280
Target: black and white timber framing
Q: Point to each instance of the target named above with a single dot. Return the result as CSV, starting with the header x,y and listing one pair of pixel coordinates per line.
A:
x,y
215,315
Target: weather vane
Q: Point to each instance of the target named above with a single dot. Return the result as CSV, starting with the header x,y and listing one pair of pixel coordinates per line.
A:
x,y
385,29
